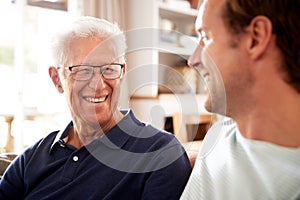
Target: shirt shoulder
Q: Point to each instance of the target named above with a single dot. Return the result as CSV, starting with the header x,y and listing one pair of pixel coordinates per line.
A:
x,y
43,144
223,128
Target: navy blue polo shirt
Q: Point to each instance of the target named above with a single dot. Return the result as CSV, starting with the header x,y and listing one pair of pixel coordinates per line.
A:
x,y
133,160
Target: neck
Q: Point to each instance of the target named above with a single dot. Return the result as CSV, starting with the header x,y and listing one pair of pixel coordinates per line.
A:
x,y
81,133
275,119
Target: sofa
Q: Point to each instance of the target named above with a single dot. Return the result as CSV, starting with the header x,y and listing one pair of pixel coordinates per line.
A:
x,y
5,160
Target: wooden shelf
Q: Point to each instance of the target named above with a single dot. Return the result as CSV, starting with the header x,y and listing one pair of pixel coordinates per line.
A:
x,y
175,49
175,13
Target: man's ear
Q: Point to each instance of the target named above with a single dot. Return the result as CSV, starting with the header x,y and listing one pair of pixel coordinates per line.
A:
x,y
53,73
260,33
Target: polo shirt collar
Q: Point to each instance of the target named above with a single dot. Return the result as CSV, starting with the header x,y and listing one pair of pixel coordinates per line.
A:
x,y
61,135
115,138
127,128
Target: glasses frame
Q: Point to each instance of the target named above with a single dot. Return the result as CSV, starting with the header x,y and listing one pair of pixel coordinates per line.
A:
x,y
97,66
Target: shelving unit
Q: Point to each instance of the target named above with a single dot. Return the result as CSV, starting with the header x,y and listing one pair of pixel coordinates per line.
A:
x,y
174,49
176,53
183,18
158,58
148,48
173,13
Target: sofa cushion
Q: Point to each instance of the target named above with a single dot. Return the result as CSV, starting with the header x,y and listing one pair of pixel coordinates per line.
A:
x,y
5,160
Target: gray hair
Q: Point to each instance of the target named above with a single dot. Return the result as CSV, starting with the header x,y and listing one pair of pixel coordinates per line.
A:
x,y
85,27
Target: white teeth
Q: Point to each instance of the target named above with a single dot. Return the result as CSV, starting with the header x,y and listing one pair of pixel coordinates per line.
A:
x,y
95,100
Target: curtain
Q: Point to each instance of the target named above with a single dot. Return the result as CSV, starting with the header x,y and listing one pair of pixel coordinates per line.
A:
x,y
111,10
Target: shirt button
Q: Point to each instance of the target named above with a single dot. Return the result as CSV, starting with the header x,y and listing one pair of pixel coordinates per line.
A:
x,y
75,158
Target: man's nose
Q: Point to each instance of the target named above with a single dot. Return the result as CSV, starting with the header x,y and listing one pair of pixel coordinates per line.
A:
x,y
97,79
195,58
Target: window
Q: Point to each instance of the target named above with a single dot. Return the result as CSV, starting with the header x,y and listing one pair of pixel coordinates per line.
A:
x,y
28,93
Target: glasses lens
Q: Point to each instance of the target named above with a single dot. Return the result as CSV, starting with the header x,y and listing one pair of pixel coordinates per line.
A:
x,y
82,72
112,71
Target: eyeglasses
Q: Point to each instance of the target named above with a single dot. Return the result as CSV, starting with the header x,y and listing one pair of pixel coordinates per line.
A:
x,y
85,72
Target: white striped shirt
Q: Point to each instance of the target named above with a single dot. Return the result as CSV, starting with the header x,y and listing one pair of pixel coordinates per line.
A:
x,y
231,167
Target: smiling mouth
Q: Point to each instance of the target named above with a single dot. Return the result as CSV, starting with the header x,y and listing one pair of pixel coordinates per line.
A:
x,y
203,72
96,100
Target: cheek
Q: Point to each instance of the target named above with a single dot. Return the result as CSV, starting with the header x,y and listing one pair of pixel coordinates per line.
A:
x,y
72,91
116,91
222,59
69,95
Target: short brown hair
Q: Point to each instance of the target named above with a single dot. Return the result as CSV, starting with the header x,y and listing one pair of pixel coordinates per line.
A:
x,y
284,15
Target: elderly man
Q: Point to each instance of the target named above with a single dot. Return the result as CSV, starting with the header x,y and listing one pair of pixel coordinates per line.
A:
x,y
103,153
249,54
